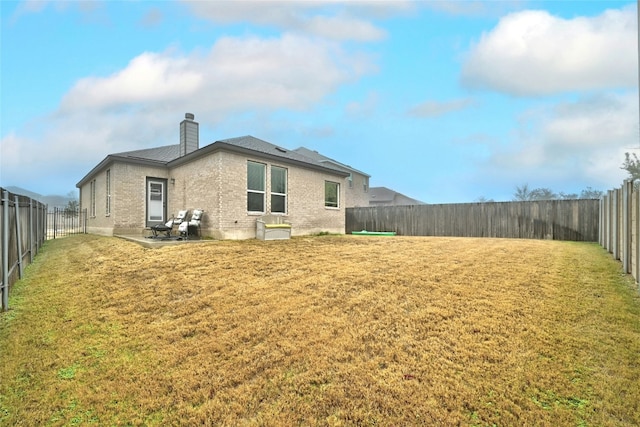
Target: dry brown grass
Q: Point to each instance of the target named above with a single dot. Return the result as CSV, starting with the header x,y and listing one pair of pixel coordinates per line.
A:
x,y
322,331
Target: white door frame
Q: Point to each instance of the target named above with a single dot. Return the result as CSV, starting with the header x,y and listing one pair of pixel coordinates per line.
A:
x,y
156,206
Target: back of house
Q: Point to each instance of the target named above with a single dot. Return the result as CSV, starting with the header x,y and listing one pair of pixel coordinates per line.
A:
x,y
234,181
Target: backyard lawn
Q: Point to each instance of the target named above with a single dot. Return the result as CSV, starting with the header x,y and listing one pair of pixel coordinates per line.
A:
x,y
324,330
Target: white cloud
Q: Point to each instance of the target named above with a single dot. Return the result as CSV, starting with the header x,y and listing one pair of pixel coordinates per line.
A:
x,y
535,53
582,141
439,108
328,19
236,74
136,107
149,77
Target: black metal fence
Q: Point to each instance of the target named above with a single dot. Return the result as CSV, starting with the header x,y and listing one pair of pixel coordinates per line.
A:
x,y
65,222
576,220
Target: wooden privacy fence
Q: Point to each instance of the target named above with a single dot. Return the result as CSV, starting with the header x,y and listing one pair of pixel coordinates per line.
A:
x,y
620,226
576,220
22,233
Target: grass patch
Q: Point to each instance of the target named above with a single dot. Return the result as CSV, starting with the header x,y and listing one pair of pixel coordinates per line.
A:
x,y
322,331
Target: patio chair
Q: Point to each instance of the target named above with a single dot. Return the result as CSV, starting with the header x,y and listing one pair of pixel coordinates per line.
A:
x,y
194,222
167,227
272,227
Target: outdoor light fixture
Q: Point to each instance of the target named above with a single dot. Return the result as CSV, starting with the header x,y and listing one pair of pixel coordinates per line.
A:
x,y
173,181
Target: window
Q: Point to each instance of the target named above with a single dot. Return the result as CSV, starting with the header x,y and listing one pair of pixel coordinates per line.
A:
x,y
331,191
255,186
108,197
278,190
92,198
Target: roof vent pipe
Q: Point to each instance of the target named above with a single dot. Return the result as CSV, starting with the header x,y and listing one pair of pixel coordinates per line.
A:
x,y
189,135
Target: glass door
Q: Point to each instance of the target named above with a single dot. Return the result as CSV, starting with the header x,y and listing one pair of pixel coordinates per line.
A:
x,y
156,196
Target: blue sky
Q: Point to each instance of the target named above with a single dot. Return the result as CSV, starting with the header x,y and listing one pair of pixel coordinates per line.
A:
x,y
442,101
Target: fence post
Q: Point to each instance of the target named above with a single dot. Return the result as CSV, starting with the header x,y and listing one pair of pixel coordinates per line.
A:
x,y
55,221
32,240
5,250
18,236
626,226
601,223
635,233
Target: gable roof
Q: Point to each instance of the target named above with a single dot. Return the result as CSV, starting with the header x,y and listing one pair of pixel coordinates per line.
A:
x,y
169,155
264,147
387,195
312,154
159,154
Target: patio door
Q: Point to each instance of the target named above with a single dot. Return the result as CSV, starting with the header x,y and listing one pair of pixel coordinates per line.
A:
x,y
156,201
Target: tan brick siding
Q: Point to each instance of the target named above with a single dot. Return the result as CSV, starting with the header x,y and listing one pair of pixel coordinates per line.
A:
x,y
216,183
358,194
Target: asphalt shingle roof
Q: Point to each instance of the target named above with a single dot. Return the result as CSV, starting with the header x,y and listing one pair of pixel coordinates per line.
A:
x,y
159,154
324,160
169,153
264,147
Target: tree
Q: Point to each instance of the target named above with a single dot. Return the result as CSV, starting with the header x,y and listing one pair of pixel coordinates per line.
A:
x,y
72,208
568,196
522,193
483,199
543,194
590,193
631,165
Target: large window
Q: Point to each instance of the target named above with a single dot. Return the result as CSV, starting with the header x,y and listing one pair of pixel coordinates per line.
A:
x,y
278,190
331,192
255,186
108,195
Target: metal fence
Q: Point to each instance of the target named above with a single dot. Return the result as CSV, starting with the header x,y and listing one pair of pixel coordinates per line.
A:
x,y
65,222
22,233
576,220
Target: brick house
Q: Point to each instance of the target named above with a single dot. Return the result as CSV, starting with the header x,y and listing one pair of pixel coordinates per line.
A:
x,y
235,181
357,185
383,196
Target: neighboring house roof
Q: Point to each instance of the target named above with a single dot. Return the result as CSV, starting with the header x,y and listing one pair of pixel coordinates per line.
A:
x,y
169,155
327,160
380,195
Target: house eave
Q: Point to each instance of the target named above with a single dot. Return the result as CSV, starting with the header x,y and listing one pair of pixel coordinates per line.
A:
x,y
346,167
111,158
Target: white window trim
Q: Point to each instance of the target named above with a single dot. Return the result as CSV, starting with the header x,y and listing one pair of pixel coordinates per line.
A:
x,y
273,193
263,192
92,198
108,194
337,207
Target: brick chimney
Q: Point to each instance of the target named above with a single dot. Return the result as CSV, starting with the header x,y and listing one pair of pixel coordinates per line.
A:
x,y
189,135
